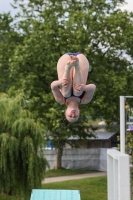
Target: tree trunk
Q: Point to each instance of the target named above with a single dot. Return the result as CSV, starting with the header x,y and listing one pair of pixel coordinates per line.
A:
x,y
58,160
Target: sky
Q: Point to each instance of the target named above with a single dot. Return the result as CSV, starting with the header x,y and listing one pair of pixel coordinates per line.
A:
x,y
6,7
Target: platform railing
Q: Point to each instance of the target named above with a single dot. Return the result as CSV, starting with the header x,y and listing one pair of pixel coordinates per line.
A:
x,y
118,175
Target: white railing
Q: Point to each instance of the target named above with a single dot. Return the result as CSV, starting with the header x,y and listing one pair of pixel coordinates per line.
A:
x,y
118,171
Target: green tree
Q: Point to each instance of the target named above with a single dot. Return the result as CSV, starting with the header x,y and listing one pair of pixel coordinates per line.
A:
x,y
9,39
22,163
96,28
60,132
51,28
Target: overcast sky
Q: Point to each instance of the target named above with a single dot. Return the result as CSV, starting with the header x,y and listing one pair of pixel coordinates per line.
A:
x,y
6,7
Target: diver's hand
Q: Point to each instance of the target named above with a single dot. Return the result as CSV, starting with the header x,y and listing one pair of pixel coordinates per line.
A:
x,y
79,87
64,82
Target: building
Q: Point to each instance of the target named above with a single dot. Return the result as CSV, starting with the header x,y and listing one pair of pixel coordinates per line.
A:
x,y
101,140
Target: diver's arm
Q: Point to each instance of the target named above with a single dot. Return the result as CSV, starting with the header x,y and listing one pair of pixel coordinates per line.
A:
x,y
56,92
89,92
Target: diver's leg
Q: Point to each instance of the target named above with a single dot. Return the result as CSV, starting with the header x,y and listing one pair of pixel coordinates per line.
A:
x,y
64,70
80,72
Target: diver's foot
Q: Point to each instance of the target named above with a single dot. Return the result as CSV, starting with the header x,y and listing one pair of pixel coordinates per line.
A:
x,y
75,60
76,64
69,65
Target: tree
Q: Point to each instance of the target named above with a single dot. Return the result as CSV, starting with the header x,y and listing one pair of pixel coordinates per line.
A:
x,y
9,39
96,28
50,28
22,163
60,131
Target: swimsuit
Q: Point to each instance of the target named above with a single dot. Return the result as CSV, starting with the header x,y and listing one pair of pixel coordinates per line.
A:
x,y
73,53
72,95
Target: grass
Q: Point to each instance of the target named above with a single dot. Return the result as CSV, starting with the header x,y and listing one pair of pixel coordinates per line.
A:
x,y
65,172
7,197
90,188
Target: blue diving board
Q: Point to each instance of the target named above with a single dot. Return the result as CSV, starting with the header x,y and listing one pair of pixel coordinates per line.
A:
x,y
44,194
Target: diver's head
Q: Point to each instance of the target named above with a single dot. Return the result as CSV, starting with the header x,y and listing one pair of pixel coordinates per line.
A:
x,y
72,114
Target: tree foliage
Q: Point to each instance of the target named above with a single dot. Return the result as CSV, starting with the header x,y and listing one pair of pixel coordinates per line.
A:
x,y
22,165
96,28
9,39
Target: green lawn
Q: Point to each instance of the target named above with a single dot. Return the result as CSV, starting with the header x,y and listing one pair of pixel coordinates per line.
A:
x,y
65,172
90,188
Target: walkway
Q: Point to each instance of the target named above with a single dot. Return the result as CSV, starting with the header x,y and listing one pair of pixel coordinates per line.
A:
x,y
73,177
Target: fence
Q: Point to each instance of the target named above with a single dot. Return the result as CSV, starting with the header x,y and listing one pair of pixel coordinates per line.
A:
x,y
84,159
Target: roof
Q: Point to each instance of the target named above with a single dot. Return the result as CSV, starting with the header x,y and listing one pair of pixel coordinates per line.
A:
x,y
99,136
104,136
